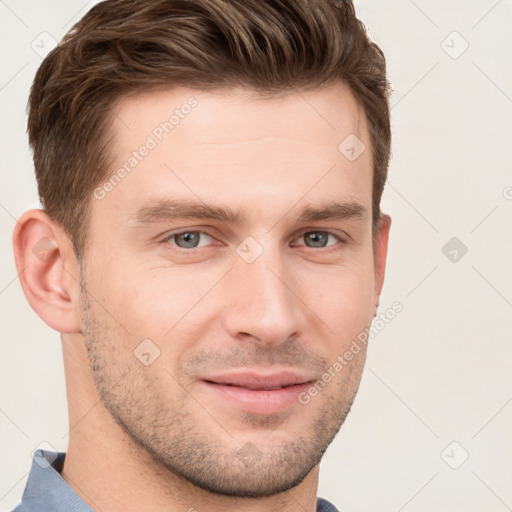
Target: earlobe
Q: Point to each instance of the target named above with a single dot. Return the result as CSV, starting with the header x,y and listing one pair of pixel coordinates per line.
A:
x,y
380,250
48,270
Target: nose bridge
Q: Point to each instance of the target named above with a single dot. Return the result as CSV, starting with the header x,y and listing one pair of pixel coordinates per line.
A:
x,y
262,304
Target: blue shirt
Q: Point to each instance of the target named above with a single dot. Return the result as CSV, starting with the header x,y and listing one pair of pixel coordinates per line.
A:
x,y
47,491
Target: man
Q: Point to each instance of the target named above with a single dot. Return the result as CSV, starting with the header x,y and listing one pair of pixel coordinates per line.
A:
x,y
211,243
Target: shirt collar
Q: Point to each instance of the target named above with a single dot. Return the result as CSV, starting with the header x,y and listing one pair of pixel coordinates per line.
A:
x,y
46,490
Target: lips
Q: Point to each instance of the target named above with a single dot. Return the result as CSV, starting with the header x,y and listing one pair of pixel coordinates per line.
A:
x,y
258,393
260,382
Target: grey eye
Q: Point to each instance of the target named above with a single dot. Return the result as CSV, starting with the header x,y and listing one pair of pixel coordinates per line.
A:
x,y
188,239
316,238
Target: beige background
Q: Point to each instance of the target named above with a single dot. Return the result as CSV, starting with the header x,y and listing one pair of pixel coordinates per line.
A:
x,y
437,387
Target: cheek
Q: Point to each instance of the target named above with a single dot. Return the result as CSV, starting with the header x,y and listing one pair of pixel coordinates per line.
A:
x,y
342,298
157,303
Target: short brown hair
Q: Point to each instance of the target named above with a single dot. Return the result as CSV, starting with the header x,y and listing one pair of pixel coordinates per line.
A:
x,y
124,46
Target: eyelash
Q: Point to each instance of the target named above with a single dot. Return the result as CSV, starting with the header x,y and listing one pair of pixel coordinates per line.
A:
x,y
171,236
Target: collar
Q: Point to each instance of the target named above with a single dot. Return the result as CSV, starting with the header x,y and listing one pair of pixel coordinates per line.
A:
x,y
46,490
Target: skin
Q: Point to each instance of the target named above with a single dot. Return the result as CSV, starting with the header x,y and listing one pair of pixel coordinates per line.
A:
x,y
155,437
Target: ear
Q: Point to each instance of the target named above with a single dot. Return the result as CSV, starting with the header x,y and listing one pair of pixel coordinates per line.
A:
x,y
380,251
48,270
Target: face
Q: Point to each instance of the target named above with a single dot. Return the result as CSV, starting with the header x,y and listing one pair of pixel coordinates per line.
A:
x,y
229,268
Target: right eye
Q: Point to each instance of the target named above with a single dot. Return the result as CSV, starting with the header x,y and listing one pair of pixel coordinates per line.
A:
x,y
186,239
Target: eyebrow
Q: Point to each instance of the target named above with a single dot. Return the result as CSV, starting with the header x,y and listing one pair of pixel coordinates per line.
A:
x,y
161,210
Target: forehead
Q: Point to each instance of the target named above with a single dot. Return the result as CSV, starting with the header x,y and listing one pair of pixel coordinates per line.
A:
x,y
236,146
232,115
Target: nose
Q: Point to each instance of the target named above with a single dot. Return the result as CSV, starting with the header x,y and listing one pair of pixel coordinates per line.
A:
x,y
262,305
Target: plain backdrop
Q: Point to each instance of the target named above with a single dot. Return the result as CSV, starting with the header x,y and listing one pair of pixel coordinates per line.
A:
x,y
430,428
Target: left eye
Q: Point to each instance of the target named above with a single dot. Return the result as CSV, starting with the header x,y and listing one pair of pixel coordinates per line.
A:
x,y
317,239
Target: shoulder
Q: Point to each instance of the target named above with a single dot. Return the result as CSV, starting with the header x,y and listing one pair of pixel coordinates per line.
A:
x,y
325,506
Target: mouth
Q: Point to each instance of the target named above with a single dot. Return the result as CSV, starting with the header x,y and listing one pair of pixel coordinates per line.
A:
x,y
258,393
